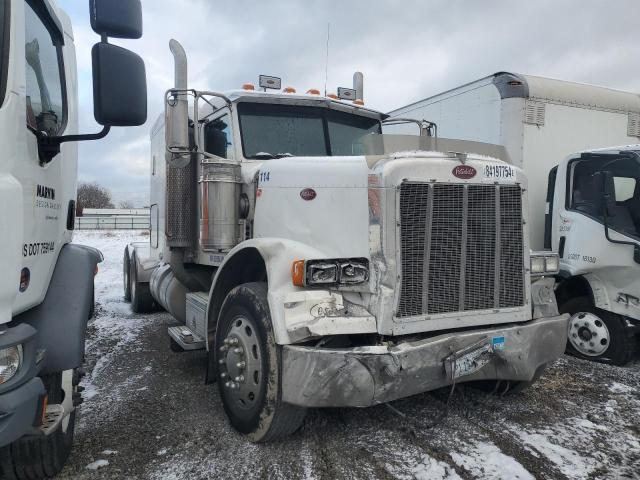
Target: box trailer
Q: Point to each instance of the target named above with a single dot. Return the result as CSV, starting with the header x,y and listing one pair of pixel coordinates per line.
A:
x,y
540,121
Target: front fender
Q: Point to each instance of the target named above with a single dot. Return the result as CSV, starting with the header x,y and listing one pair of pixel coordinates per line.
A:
x,y
61,319
278,255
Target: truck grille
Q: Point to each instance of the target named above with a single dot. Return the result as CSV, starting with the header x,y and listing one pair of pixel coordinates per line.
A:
x,y
461,248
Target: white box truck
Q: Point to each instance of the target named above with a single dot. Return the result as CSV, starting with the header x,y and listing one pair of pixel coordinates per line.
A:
x,y
318,276
541,122
46,286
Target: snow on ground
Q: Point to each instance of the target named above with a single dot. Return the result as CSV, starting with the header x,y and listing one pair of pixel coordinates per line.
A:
x,y
147,414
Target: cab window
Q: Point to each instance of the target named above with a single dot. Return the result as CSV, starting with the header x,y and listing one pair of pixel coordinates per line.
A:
x,y
44,76
218,139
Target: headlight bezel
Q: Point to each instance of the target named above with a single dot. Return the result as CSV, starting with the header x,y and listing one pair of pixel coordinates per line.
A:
x,y
544,264
303,272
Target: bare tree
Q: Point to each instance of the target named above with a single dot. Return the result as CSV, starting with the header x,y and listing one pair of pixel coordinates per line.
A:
x,y
126,204
92,195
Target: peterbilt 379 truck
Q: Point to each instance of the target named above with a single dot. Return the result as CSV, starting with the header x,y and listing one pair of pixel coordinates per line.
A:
x,y
46,286
320,265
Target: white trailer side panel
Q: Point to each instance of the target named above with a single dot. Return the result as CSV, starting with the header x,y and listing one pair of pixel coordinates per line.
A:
x,y
471,112
567,129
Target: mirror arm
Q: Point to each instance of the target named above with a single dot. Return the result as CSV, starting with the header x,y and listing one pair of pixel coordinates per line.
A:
x,y
50,146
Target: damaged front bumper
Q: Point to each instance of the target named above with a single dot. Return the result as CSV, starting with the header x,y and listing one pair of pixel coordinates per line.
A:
x,y
364,376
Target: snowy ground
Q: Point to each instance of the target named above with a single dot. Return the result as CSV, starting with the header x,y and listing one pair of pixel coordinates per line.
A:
x,y
149,415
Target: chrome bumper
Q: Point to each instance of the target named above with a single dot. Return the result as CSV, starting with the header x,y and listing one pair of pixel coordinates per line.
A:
x,y
364,376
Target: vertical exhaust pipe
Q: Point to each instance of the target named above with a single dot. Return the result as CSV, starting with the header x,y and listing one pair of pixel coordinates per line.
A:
x,y
178,112
358,85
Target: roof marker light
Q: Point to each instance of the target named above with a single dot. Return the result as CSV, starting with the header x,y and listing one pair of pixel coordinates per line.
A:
x,y
332,96
359,102
313,91
248,86
289,90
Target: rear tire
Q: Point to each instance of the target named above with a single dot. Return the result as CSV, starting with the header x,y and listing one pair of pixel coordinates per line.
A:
x,y
245,337
600,328
39,457
141,299
126,268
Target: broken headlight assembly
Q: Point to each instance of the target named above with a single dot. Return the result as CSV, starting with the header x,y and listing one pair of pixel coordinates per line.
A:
x,y
10,361
316,273
545,263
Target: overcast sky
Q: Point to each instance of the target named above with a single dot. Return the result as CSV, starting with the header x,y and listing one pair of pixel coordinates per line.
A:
x,y
407,50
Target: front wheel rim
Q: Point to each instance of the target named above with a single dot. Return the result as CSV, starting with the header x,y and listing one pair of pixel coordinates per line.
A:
x,y
588,334
240,364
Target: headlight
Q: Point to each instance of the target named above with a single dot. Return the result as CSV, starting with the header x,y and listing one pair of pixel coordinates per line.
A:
x,y
543,263
322,273
10,361
352,272
307,273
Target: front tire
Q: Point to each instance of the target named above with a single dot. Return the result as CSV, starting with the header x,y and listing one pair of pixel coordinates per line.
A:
x,y
249,367
126,268
596,334
39,457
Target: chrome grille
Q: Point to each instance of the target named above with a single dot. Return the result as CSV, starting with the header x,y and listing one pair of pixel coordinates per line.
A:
x,y
461,248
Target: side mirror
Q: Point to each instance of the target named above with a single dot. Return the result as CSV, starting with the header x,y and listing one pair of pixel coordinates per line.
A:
x,y
119,76
119,86
117,18
606,190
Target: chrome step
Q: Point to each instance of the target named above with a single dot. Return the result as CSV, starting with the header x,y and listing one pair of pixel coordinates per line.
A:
x,y
52,419
186,338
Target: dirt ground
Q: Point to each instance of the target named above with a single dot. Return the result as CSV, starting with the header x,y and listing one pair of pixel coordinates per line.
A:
x,y
148,414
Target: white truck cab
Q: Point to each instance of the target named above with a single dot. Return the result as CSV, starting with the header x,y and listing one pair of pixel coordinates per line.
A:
x,y
46,287
594,224
322,264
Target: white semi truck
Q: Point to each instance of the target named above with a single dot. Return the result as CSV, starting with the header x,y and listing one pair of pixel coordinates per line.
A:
x,y
542,123
319,276
46,288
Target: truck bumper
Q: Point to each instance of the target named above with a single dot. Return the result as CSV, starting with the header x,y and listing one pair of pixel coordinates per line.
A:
x,y
365,376
18,410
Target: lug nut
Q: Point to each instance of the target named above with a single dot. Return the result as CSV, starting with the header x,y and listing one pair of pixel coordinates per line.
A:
x,y
239,378
233,385
241,364
227,384
224,375
238,350
224,348
234,341
226,341
222,361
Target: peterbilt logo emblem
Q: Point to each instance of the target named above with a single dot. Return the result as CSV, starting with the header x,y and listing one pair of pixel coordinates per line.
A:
x,y
465,172
308,194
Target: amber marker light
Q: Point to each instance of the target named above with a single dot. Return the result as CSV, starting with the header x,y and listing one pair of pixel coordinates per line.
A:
x,y
248,86
313,91
297,273
358,102
289,90
333,96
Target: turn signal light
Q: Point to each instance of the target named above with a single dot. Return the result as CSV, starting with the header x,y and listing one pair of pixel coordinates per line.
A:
x,y
248,86
297,273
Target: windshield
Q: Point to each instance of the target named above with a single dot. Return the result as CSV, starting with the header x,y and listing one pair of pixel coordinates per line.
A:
x,y
273,131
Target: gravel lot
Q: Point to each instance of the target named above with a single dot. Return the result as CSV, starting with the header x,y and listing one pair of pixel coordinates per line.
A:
x,y
148,414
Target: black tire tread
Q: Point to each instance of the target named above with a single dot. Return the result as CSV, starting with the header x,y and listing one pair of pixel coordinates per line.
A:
x,y
141,299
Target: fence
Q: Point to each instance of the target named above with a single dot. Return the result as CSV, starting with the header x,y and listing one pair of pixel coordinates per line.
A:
x,y
137,222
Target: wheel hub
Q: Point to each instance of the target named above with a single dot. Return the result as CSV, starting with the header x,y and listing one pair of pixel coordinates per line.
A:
x,y
240,365
588,334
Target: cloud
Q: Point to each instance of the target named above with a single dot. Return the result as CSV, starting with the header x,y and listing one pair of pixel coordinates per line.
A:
x,y
407,49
